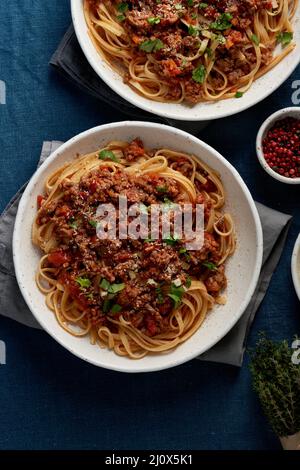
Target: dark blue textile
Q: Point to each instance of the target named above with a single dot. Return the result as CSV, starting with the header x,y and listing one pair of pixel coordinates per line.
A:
x,y
52,400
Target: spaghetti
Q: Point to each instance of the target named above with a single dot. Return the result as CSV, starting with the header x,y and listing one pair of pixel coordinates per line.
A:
x,y
134,296
187,50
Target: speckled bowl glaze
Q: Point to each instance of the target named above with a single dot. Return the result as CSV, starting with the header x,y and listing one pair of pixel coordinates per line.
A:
x,y
242,270
296,266
260,89
265,127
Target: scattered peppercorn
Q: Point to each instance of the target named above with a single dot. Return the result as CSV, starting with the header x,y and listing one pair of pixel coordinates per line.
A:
x,y
281,147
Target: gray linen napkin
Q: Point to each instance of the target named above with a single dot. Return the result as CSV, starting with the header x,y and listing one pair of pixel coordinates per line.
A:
x,y
230,350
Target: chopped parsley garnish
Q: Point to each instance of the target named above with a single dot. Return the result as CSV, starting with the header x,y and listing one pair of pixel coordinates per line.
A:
x,y
176,294
239,94
193,16
223,22
171,240
160,296
116,308
203,5
188,282
199,74
122,7
104,284
285,38
210,265
162,189
178,6
108,155
90,296
255,39
93,223
121,18
73,224
190,3
149,240
193,31
106,306
111,288
152,45
84,282
153,20
182,250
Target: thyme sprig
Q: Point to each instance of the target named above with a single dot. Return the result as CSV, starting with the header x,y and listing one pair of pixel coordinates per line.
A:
x,y
276,380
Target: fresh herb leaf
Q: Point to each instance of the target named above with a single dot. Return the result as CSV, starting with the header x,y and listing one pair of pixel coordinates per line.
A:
x,y
188,282
115,288
73,224
151,45
176,294
208,51
182,250
122,7
108,155
153,20
162,189
104,284
93,223
116,308
148,240
210,265
178,6
171,240
193,16
121,18
285,38
239,94
106,306
203,5
193,31
223,22
255,39
190,3
90,296
199,74
84,282
160,296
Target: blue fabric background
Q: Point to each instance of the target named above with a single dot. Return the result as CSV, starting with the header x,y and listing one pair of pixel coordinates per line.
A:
x,y
50,399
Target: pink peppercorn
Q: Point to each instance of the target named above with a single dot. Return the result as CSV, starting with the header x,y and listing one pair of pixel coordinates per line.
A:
x,y
281,147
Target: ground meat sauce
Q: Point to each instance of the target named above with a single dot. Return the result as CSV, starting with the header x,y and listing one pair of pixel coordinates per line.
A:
x,y
108,278
172,31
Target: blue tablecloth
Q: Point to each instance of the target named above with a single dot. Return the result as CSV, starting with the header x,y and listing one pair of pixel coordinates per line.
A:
x,y
52,400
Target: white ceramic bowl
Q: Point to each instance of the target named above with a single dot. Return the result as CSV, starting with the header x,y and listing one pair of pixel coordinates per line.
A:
x,y
201,112
242,271
265,127
296,266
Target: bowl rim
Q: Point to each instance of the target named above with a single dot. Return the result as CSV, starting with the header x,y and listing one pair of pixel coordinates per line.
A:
x,y
265,126
137,124
294,261
148,105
